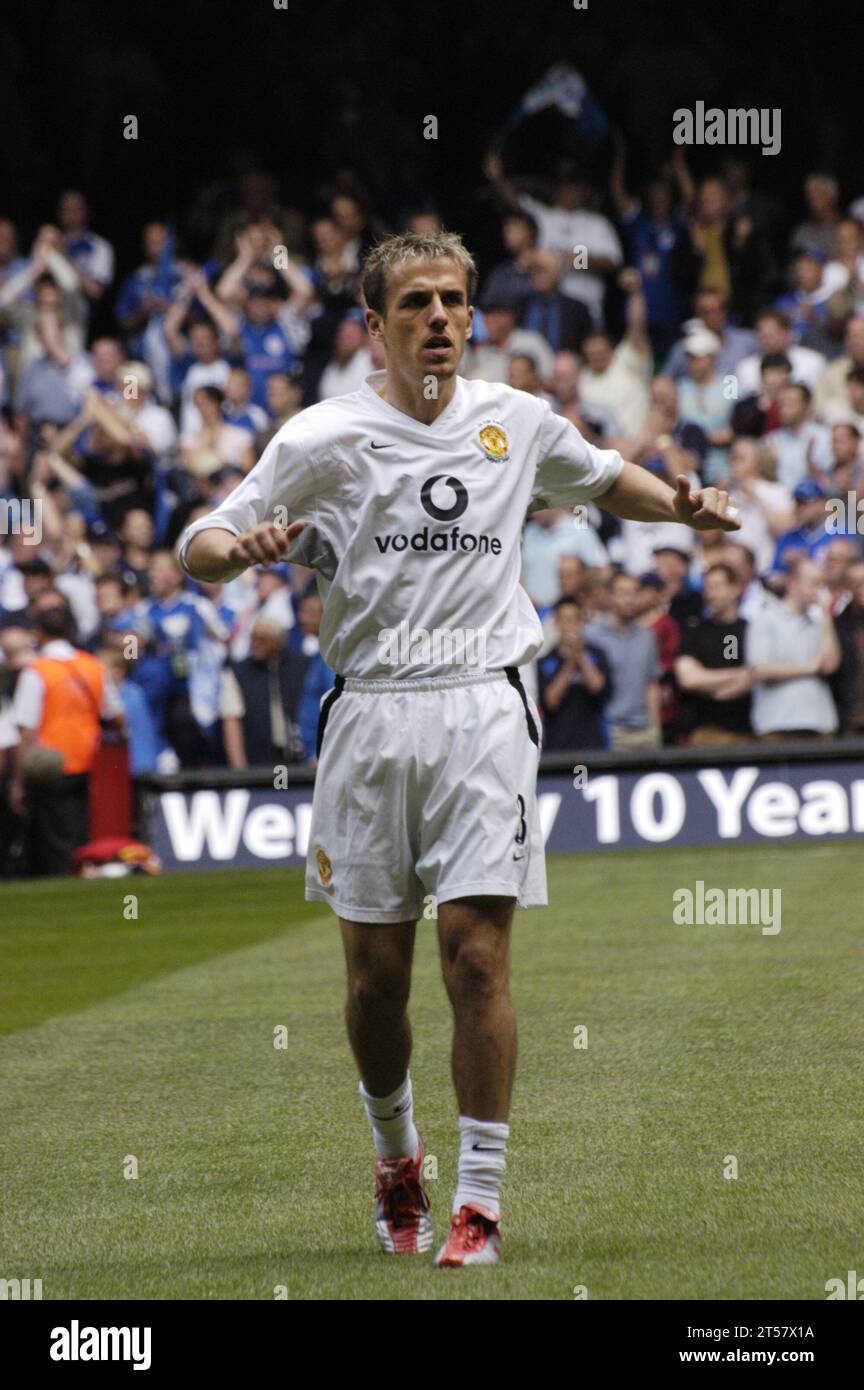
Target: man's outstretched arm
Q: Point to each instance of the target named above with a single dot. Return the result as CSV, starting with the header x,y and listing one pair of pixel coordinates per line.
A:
x,y
637,495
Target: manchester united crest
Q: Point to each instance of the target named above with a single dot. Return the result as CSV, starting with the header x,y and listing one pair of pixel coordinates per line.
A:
x,y
325,868
496,445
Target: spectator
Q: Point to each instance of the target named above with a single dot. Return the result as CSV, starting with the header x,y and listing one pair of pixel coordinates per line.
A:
x,y
258,701
820,228
847,467
801,445
656,234
26,302
51,385
653,613
91,255
791,648
149,422
106,356
318,678
489,360
704,401
523,375
667,444
509,282
574,681
774,335
759,413
809,536
617,378
595,422
807,302
144,299
566,226
238,407
215,443
550,533
561,321
633,711
351,362
711,309
60,699
672,563
728,252
765,507
284,399
710,666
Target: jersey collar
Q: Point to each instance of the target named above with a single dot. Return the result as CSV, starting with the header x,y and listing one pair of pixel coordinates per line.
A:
x,y
376,379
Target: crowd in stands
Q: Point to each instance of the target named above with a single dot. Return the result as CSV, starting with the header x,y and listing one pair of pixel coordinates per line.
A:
x,y
695,325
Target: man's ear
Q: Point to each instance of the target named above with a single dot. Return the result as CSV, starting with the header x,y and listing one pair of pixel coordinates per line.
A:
x,y
470,329
374,324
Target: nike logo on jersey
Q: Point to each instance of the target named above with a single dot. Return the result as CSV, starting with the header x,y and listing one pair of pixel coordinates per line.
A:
x,y
381,446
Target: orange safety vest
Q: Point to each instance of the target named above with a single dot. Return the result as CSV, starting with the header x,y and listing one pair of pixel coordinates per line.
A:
x,y
71,708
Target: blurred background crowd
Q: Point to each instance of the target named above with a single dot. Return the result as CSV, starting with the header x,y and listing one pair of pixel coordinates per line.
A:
x,y
699,324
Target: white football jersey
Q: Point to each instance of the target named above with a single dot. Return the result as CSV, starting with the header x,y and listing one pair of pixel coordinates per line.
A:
x,y
414,529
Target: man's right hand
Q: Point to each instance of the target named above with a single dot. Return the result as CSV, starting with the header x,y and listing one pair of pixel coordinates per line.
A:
x,y
265,544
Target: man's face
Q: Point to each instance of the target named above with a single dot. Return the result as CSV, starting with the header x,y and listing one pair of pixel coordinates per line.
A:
x,y
807,273
720,595
262,308
743,460
792,406
713,200
570,574
625,598
838,554
282,395
773,381
138,527
544,274
204,343
848,239
568,620
516,235
811,512
671,566
154,241
571,194
844,444
805,584
711,309
107,357
48,299
773,337
163,575
427,318
499,325
565,377
522,375
72,212
820,196
237,387
664,395
348,214
109,599
700,365
264,644
35,585
598,353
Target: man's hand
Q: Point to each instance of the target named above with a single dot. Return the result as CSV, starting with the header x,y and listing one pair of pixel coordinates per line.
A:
x,y
708,509
265,544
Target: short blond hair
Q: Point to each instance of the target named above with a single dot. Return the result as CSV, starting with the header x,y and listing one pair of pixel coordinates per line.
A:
x,y
419,246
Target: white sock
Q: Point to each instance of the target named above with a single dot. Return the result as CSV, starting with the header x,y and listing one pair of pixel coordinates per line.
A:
x,y
392,1121
482,1160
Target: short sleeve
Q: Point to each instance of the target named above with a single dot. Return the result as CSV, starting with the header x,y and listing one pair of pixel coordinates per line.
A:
x,y
279,487
569,469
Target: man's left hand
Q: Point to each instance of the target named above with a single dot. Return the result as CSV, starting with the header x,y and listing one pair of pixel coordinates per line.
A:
x,y
707,509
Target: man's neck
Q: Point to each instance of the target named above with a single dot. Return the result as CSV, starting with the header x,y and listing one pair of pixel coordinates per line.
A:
x,y
409,396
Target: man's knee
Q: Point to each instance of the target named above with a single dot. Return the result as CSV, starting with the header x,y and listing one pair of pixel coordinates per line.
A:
x,y
378,986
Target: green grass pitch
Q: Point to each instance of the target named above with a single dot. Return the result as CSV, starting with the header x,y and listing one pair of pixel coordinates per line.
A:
x,y
153,1039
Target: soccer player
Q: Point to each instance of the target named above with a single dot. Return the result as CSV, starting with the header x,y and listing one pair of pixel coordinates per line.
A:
x,y
408,497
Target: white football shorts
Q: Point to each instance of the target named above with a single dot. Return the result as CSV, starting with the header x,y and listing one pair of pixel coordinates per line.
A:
x,y
426,788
